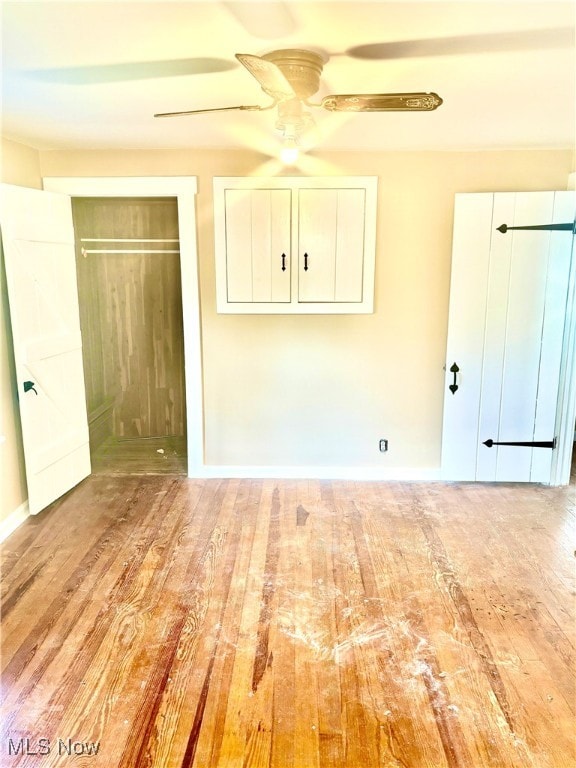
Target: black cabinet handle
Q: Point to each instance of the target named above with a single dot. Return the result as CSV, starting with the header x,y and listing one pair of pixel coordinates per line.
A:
x,y
305,262
283,262
453,387
29,385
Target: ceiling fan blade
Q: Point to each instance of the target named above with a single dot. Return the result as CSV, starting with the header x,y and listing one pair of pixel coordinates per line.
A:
x,y
139,70
268,75
530,39
267,21
382,102
211,109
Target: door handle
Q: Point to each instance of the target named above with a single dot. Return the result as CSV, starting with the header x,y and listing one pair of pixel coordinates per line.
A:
x,y
283,262
29,385
305,262
453,387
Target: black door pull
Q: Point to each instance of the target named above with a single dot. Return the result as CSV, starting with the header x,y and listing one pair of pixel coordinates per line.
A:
x,y
29,385
533,444
283,262
305,262
453,387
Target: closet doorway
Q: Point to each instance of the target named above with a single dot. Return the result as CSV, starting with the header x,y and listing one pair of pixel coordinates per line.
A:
x,y
130,298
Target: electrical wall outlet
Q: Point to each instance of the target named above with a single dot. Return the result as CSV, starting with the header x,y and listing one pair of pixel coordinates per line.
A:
x,y
383,446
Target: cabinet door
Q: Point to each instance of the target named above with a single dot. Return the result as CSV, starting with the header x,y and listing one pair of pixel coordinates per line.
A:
x,y
331,245
258,244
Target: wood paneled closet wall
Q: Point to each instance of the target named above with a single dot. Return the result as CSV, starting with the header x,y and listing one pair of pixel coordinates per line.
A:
x,y
129,289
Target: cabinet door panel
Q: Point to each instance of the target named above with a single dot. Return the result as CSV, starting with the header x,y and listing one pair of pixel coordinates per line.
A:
x,y
331,245
280,244
317,211
257,234
238,245
350,245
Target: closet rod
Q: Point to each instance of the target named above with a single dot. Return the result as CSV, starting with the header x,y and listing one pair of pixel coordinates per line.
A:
x,y
89,252
129,240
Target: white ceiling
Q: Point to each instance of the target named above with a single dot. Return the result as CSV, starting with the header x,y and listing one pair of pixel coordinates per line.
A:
x,y
92,74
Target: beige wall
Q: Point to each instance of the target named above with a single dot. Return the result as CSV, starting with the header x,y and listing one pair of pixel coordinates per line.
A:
x,y
321,390
19,165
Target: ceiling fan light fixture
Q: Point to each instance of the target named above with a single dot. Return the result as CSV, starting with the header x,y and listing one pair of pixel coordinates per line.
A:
x,y
290,151
292,118
292,123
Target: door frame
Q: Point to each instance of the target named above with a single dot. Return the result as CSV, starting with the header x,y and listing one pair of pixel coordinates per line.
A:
x,y
184,189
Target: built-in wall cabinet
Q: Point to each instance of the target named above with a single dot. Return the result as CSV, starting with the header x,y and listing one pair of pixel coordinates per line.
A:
x,y
295,244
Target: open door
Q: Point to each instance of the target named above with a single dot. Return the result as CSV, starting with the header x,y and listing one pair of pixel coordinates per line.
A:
x,y
38,242
509,292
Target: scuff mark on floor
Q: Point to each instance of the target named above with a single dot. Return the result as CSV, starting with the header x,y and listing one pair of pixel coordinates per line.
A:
x,y
301,515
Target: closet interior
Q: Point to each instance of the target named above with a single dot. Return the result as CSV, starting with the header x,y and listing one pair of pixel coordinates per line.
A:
x,y
129,288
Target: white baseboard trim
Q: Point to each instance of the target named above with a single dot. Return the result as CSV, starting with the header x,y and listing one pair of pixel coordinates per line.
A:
x,y
400,474
14,520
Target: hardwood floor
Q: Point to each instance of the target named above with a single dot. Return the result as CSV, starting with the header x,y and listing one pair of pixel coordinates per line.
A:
x,y
166,622
141,456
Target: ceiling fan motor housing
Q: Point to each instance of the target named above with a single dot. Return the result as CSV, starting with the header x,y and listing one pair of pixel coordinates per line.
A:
x,y
301,68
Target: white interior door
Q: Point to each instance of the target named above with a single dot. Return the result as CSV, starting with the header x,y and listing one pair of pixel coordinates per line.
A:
x,y
38,241
508,303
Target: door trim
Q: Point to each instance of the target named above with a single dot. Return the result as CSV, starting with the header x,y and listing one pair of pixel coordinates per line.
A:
x,y
184,189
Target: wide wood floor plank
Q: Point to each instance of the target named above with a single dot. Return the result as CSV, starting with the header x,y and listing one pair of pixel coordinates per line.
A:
x,y
163,622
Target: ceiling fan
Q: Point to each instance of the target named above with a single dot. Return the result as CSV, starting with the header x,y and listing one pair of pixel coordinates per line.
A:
x,y
291,76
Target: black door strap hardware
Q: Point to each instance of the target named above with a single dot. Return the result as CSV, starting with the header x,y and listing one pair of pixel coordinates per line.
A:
x,y
29,385
534,444
453,387
567,227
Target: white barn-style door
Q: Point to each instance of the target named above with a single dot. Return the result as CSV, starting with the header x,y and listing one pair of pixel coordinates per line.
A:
x,y
38,242
508,305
